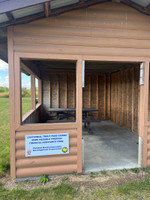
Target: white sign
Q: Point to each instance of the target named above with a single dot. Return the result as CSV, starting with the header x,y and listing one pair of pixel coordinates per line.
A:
x,y
46,144
83,73
142,73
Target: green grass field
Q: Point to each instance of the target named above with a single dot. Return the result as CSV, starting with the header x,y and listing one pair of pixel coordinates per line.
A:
x,y
4,135
4,131
26,104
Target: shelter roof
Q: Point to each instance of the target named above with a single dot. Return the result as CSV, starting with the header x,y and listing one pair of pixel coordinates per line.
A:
x,y
13,12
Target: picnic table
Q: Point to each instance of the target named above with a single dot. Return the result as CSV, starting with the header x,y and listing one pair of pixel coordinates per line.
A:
x,y
65,113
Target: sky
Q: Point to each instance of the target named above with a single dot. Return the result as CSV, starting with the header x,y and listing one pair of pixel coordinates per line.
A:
x,y
3,74
4,78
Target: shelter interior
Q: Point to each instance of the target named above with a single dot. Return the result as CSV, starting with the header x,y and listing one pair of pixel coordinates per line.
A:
x,y
111,88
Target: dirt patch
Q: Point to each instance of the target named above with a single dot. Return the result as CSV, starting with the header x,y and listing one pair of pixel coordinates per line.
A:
x,y
83,183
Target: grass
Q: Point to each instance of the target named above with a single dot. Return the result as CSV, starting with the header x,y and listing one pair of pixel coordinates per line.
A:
x,y
93,174
103,172
146,170
134,190
62,191
4,135
26,104
135,170
5,131
124,171
116,171
44,179
64,179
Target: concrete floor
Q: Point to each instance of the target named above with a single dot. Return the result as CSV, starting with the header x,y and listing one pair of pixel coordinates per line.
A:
x,y
109,147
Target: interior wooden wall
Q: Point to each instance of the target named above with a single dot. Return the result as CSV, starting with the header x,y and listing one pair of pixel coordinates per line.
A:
x,y
115,96
59,91
125,98
96,94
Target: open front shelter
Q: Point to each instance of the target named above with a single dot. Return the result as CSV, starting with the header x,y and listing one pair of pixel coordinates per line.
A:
x,y
91,62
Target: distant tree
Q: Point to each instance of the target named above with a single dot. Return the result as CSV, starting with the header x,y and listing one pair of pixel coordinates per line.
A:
x,y
26,92
4,89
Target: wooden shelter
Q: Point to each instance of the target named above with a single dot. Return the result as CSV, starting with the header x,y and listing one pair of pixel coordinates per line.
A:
x,y
112,38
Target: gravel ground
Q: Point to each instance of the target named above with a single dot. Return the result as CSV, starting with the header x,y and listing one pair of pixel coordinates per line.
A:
x,y
83,183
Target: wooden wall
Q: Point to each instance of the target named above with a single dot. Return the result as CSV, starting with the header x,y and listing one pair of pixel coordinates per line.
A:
x,y
59,91
115,96
106,31
125,98
55,164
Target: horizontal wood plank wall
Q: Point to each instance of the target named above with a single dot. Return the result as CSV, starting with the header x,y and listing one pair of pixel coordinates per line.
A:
x,y
123,111
59,88
54,164
107,29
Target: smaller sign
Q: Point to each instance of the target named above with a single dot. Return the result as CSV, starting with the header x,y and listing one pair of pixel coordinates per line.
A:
x,y
46,144
83,73
142,73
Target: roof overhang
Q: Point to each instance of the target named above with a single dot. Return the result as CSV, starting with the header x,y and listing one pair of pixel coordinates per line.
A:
x,y
14,12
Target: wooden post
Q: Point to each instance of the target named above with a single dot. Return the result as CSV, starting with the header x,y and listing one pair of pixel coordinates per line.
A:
x,y
58,96
145,113
119,98
66,103
146,92
33,92
79,114
50,92
96,96
40,91
141,112
18,100
90,92
47,9
115,119
11,102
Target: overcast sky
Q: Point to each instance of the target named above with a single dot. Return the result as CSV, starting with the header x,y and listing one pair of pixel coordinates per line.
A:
x,y
4,79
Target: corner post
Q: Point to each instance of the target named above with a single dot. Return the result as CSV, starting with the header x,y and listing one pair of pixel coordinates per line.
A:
x,y
11,102
79,113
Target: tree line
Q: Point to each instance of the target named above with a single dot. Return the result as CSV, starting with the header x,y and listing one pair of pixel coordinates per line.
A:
x,y
4,92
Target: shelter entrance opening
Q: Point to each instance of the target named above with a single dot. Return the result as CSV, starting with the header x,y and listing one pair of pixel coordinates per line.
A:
x,y
110,138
